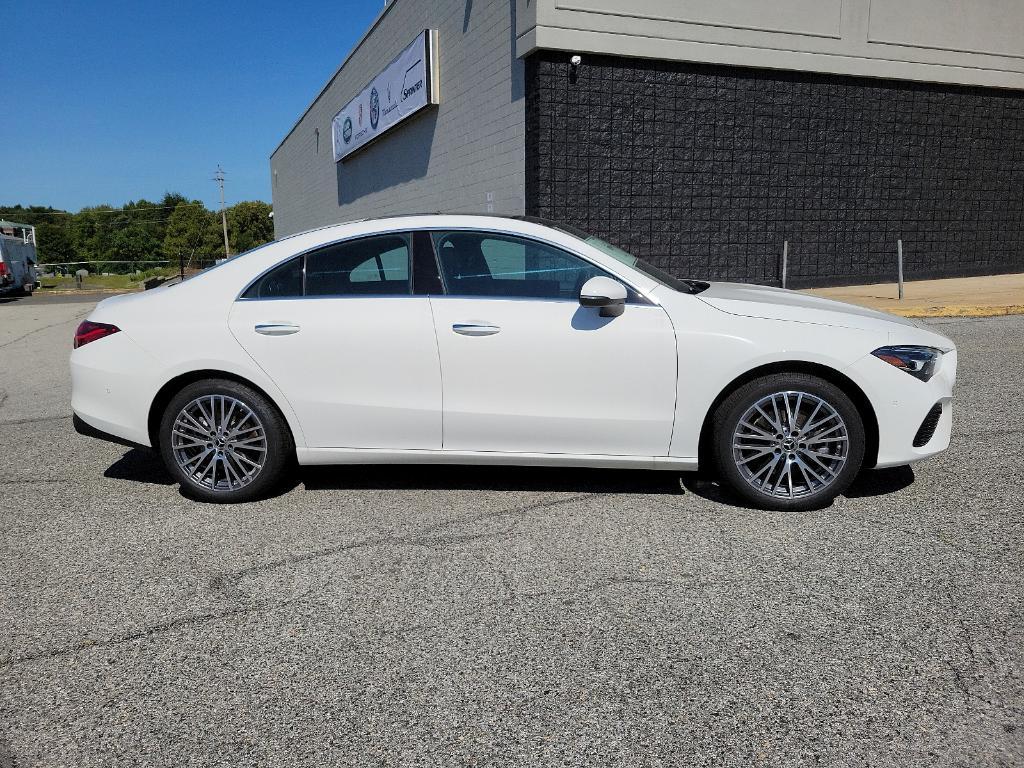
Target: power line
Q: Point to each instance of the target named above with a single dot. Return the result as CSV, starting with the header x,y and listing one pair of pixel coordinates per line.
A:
x,y
108,210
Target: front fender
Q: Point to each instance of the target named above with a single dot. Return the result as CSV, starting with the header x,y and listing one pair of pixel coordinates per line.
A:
x,y
711,360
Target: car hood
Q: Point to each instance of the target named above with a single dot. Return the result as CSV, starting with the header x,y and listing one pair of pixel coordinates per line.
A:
x,y
780,304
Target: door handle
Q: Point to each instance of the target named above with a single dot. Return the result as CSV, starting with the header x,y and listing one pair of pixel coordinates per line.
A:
x,y
276,329
475,329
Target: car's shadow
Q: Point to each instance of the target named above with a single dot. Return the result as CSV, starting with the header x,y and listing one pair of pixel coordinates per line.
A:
x,y
144,466
870,482
489,478
880,482
140,465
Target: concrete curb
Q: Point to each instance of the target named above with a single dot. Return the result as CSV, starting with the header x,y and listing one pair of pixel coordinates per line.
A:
x,y
956,310
83,292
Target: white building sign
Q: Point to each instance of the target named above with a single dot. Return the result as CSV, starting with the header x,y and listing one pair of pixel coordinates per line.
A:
x,y
407,85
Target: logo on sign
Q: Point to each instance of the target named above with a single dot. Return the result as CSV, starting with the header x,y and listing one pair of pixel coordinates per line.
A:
x,y
410,88
374,108
391,107
346,130
360,116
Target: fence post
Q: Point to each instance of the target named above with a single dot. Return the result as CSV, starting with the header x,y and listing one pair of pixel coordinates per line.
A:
x,y
899,265
785,259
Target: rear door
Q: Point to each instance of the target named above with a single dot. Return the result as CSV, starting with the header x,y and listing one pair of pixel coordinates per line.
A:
x,y
526,369
341,334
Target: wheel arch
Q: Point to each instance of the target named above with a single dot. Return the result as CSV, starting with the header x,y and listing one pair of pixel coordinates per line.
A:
x,y
831,375
179,382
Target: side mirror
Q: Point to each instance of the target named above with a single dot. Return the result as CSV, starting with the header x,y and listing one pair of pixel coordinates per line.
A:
x,y
603,292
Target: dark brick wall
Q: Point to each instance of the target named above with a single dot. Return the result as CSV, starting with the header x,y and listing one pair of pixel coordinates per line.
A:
x,y
706,170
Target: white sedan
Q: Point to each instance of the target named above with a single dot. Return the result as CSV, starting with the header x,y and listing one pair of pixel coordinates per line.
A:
x,y
473,340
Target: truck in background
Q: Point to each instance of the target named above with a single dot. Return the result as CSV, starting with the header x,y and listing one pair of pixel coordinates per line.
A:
x,y
17,258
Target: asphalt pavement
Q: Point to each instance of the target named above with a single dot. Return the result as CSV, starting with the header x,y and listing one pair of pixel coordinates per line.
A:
x,y
474,616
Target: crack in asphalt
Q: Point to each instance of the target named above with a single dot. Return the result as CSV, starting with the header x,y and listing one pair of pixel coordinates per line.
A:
x,y
44,328
34,481
227,583
126,637
37,420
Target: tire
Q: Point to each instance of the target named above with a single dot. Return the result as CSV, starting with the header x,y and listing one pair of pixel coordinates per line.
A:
x,y
248,454
764,460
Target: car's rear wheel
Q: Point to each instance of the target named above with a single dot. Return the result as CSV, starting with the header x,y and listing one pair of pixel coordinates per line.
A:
x,y
788,441
225,442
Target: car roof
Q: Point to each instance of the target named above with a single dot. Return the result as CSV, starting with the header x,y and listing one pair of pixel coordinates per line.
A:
x,y
392,222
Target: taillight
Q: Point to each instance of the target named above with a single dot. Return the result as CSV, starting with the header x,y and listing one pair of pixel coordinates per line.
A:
x,y
4,269
89,331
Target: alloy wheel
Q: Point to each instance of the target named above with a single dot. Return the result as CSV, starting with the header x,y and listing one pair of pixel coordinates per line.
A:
x,y
219,442
790,445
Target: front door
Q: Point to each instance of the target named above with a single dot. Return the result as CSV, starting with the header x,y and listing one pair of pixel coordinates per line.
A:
x,y
340,333
526,369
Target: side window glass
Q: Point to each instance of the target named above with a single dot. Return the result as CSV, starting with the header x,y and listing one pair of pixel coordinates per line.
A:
x,y
371,266
487,264
282,282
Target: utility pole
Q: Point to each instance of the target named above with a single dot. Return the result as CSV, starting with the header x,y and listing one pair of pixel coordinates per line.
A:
x,y
219,178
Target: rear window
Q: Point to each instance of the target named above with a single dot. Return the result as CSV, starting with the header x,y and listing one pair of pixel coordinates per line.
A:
x,y
369,266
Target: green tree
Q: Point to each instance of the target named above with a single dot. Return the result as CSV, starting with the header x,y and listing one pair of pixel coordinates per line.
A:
x,y
249,225
133,242
92,229
54,241
192,233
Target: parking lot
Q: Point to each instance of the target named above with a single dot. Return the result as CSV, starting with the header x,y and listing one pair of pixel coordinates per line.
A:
x,y
472,616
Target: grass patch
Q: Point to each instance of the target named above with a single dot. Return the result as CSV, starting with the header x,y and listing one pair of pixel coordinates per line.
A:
x,y
105,282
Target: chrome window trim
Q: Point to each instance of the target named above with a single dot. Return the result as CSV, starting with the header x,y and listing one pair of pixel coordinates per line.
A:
x,y
645,295
436,296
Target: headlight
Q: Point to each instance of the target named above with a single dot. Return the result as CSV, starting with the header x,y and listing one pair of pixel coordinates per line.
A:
x,y
919,362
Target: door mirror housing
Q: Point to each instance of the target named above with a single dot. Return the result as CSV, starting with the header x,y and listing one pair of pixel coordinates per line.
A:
x,y
603,292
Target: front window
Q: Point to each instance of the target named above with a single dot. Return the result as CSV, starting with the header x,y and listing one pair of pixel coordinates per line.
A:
x,y
499,265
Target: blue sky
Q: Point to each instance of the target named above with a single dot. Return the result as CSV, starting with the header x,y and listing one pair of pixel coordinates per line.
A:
x,y
107,102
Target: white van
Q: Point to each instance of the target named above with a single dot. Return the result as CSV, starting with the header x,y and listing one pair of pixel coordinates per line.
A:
x,y
17,258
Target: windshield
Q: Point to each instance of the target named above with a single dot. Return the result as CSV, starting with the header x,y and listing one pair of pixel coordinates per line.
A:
x,y
653,272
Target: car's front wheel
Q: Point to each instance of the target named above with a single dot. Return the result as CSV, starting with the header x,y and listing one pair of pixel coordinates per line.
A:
x,y
788,441
225,442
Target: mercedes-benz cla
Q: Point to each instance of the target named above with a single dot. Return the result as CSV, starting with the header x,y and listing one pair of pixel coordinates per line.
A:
x,y
489,340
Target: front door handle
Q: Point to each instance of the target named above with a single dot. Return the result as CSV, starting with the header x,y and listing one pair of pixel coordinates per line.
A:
x,y
276,329
475,329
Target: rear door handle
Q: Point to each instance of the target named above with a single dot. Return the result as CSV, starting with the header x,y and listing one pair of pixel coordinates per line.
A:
x,y
475,329
276,329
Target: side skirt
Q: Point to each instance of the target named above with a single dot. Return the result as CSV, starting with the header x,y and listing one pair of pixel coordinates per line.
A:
x,y
321,456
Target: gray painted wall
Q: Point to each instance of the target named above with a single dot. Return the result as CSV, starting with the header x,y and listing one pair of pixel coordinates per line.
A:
x,y
466,155
972,42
